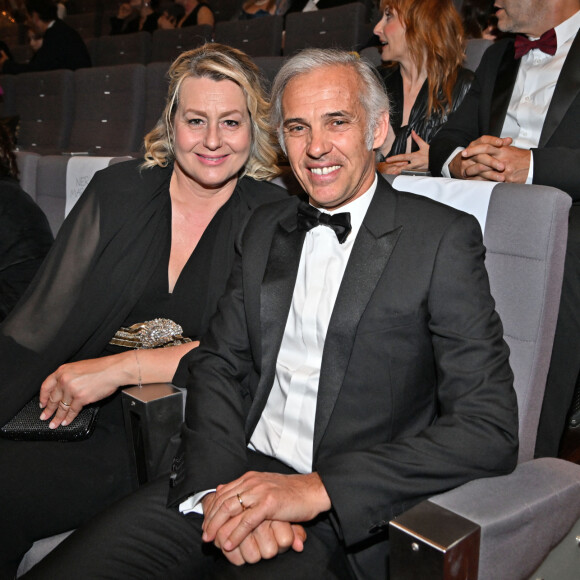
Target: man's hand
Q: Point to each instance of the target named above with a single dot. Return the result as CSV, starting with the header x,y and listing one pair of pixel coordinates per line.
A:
x,y
240,507
269,539
492,159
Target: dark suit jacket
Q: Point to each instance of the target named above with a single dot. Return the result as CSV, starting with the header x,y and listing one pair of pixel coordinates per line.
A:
x,y
62,47
415,392
483,111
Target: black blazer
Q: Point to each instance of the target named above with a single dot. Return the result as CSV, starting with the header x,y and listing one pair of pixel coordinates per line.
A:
x,y
483,111
62,47
415,392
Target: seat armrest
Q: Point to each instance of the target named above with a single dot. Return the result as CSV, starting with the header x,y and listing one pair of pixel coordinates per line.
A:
x,y
522,516
153,418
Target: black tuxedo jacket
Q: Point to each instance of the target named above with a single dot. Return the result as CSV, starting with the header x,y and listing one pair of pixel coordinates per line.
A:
x,y
483,111
62,48
415,393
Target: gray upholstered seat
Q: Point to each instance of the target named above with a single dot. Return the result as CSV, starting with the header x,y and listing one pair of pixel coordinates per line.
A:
x,y
521,516
109,110
341,27
256,37
122,49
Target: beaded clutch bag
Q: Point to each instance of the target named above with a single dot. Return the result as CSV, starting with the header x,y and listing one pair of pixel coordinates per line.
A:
x,y
26,425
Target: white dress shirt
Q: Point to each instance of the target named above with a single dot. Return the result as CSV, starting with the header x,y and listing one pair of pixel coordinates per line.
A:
x,y
286,428
533,91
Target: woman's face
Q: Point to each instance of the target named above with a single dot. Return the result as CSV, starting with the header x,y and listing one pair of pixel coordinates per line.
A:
x,y
391,33
213,134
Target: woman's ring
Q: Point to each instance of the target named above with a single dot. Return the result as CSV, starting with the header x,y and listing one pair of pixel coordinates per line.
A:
x,y
241,502
67,405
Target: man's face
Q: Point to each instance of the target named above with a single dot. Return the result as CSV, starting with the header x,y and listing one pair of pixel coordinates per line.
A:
x,y
34,23
524,16
325,134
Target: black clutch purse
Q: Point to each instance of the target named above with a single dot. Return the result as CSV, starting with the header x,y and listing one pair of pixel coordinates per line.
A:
x,y
26,425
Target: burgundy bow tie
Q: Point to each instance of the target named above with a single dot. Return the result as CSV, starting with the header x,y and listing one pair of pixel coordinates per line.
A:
x,y
546,43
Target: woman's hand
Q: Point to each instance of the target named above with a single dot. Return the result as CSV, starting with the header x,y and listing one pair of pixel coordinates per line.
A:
x,y
417,161
74,385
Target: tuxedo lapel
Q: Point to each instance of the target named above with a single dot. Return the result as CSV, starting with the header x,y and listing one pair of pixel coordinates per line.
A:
x,y
502,90
275,299
370,254
567,88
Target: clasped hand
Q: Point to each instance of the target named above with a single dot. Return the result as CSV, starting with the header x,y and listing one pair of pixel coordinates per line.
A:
x,y
492,159
253,517
416,161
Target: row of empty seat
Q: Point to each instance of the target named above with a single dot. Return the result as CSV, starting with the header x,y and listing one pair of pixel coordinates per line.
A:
x,y
97,111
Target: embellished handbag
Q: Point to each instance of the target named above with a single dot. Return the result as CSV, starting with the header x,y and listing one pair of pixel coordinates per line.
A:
x,y
27,426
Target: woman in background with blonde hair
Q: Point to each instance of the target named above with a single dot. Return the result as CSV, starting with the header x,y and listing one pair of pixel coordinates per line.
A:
x,y
422,51
140,263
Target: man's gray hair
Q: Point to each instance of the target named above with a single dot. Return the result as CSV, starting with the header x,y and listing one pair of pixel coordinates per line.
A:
x,y
373,96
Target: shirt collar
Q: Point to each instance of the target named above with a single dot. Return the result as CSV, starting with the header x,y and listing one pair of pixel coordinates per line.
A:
x,y
568,29
357,208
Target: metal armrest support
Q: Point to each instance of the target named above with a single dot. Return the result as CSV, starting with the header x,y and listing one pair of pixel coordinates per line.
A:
x,y
153,417
429,541
523,516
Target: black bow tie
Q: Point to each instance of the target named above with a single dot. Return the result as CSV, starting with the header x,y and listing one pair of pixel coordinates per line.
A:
x,y
309,217
547,43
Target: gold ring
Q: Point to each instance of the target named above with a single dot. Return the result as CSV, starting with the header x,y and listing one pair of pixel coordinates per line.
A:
x,y
241,502
65,404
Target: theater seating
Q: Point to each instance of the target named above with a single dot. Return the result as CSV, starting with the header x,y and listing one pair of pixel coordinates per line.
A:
x,y
504,527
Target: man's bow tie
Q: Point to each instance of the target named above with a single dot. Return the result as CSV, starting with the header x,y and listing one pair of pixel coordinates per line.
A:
x,y
309,217
546,43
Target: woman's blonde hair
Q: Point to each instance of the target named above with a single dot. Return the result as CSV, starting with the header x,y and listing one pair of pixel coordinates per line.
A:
x,y
436,42
217,62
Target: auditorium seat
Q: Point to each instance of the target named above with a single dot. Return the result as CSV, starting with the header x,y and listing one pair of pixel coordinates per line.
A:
x,y
156,82
341,27
269,65
474,50
225,9
504,527
87,24
45,102
109,110
132,48
256,37
168,44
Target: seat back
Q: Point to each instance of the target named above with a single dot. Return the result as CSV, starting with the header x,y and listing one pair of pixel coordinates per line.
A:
x,y
45,103
225,9
156,82
269,65
122,49
525,236
168,44
341,27
109,110
87,24
474,50
256,37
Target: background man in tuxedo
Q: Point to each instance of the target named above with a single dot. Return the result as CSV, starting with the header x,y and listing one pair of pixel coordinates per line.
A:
x,y
62,46
356,367
519,123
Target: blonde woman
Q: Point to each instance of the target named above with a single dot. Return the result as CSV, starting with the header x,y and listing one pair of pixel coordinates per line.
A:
x,y
150,239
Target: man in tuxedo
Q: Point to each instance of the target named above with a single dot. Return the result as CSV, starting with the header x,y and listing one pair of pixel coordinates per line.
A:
x,y
519,123
356,366
62,46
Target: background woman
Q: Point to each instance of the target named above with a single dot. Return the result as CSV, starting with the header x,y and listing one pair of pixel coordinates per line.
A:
x,y
25,236
147,240
422,48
